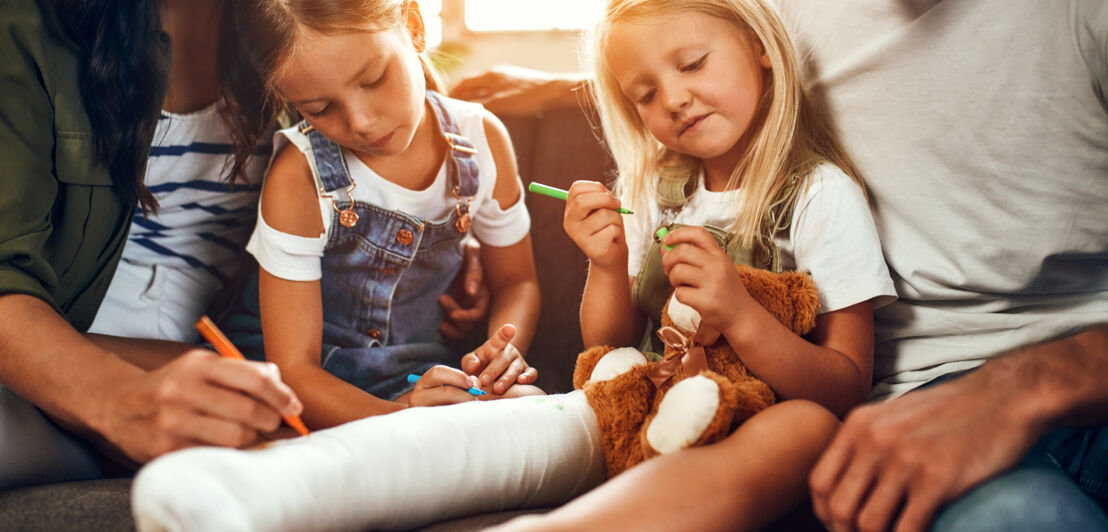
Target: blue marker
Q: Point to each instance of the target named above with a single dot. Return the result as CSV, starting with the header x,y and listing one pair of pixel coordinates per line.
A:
x,y
412,378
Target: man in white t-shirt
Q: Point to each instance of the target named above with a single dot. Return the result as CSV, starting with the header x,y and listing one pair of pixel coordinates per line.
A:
x,y
981,127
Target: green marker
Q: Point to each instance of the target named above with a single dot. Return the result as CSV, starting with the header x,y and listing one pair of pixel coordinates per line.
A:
x,y
559,194
661,233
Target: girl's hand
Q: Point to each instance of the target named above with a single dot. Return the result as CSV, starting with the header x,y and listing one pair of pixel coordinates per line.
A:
x,y
704,277
593,222
442,385
498,360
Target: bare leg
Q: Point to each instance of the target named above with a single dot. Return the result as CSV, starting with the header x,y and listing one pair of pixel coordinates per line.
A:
x,y
744,482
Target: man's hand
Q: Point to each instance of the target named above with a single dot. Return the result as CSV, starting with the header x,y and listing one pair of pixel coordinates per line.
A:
x,y
515,91
896,463
462,314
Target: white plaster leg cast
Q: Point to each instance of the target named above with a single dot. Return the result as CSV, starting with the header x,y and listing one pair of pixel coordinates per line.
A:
x,y
402,470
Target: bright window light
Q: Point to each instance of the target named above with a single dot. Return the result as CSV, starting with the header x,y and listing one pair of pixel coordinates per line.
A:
x,y
432,21
531,15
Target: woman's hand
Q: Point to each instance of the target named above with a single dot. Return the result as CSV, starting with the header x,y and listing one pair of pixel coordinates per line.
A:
x,y
466,304
197,399
498,360
592,220
704,277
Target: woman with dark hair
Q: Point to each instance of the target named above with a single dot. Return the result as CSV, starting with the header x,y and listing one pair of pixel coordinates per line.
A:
x,y
178,257
81,85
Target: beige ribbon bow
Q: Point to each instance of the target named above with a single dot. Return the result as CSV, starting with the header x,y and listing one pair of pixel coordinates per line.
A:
x,y
683,353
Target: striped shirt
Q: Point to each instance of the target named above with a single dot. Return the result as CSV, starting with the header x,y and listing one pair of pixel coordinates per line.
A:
x,y
202,222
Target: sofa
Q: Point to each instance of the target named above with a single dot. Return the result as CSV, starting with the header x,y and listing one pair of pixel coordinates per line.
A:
x,y
555,149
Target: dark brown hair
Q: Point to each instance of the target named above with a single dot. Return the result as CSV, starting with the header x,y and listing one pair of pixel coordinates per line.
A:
x,y
121,69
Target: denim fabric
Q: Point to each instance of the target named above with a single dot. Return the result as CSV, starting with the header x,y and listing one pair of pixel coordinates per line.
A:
x,y
381,278
1060,484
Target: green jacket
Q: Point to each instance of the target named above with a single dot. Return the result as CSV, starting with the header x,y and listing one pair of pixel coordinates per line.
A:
x,y
62,223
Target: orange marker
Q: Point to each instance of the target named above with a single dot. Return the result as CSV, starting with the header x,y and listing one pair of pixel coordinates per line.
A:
x,y
224,347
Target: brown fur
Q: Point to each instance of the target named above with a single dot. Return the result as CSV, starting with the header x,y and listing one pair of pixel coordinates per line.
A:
x,y
627,404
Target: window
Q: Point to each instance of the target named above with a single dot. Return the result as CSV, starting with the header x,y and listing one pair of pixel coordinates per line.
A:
x,y
432,20
531,15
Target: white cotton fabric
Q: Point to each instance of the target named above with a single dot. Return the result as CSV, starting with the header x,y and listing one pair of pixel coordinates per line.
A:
x,y
287,256
400,470
832,236
175,259
981,128
294,258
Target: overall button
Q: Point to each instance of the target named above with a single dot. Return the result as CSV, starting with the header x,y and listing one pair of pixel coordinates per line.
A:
x,y
405,237
374,333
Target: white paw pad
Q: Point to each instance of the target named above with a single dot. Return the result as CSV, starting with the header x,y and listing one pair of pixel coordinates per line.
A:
x,y
685,412
616,363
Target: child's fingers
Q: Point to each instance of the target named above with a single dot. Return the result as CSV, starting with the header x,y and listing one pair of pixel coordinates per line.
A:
x,y
444,376
449,304
449,330
498,365
695,236
529,376
509,377
499,340
440,395
582,186
590,202
469,314
471,364
474,270
685,274
688,258
488,351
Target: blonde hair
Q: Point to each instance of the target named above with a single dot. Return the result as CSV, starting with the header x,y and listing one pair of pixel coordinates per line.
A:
x,y
788,138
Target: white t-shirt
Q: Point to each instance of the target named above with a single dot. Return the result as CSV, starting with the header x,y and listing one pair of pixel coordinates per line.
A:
x,y
981,128
296,258
831,236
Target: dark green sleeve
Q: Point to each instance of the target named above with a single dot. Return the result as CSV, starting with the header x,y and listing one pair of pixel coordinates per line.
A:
x,y
26,157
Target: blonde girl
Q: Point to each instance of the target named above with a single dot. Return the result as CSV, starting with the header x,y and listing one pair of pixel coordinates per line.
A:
x,y
715,140
362,213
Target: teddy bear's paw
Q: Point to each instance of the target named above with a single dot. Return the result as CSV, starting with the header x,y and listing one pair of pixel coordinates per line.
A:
x,y
688,410
616,363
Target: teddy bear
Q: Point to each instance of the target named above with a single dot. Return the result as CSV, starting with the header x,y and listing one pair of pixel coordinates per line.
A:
x,y
699,390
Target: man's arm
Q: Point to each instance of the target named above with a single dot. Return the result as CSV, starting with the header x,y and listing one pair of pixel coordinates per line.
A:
x,y
929,447
516,91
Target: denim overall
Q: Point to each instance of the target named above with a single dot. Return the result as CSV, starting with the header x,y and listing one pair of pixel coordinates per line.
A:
x,y
382,275
652,288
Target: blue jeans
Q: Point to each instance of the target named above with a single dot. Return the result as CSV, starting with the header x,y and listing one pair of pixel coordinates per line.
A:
x,y
1060,484
33,450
